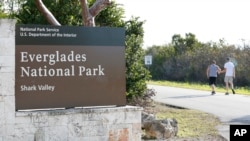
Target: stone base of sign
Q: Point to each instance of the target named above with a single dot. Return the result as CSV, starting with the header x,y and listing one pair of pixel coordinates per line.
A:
x,y
90,124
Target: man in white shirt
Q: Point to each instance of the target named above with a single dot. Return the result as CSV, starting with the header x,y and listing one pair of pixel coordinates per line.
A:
x,y
229,71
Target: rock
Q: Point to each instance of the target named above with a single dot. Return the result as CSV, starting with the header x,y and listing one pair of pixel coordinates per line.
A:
x,y
159,129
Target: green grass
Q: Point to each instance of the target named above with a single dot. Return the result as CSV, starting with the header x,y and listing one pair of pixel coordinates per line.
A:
x,y
191,123
198,86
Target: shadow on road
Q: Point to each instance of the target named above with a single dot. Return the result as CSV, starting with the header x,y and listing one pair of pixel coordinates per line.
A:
x,y
190,96
242,120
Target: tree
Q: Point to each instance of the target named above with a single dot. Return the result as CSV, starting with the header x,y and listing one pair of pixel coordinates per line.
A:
x,y
190,65
2,11
70,15
77,12
182,45
136,73
88,13
111,16
162,64
8,8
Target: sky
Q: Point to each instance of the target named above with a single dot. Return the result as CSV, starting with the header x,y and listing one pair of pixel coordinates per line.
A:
x,y
209,20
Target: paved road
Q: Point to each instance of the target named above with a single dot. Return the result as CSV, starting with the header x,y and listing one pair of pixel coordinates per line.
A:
x,y
230,109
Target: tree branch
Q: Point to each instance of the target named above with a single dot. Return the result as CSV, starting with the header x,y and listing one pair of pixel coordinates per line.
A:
x,y
46,13
88,14
98,6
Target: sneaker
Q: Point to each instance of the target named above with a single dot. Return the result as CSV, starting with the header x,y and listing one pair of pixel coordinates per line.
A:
x,y
213,92
226,93
233,91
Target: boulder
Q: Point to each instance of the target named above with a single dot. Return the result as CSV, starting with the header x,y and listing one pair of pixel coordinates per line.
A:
x,y
158,129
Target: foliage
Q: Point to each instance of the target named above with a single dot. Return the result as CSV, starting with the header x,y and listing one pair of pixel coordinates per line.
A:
x,y
69,13
2,11
144,100
66,12
161,58
136,73
186,60
111,16
181,45
134,26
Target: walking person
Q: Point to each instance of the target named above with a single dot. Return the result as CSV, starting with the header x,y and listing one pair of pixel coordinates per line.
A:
x,y
212,73
229,70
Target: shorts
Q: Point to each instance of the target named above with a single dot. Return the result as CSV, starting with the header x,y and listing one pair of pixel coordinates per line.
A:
x,y
228,79
212,80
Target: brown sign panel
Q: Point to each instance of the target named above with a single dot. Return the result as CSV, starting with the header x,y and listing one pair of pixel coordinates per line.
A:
x,y
62,66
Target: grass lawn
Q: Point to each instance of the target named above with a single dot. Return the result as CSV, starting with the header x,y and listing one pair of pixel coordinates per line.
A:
x,y
193,125
190,122
198,86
